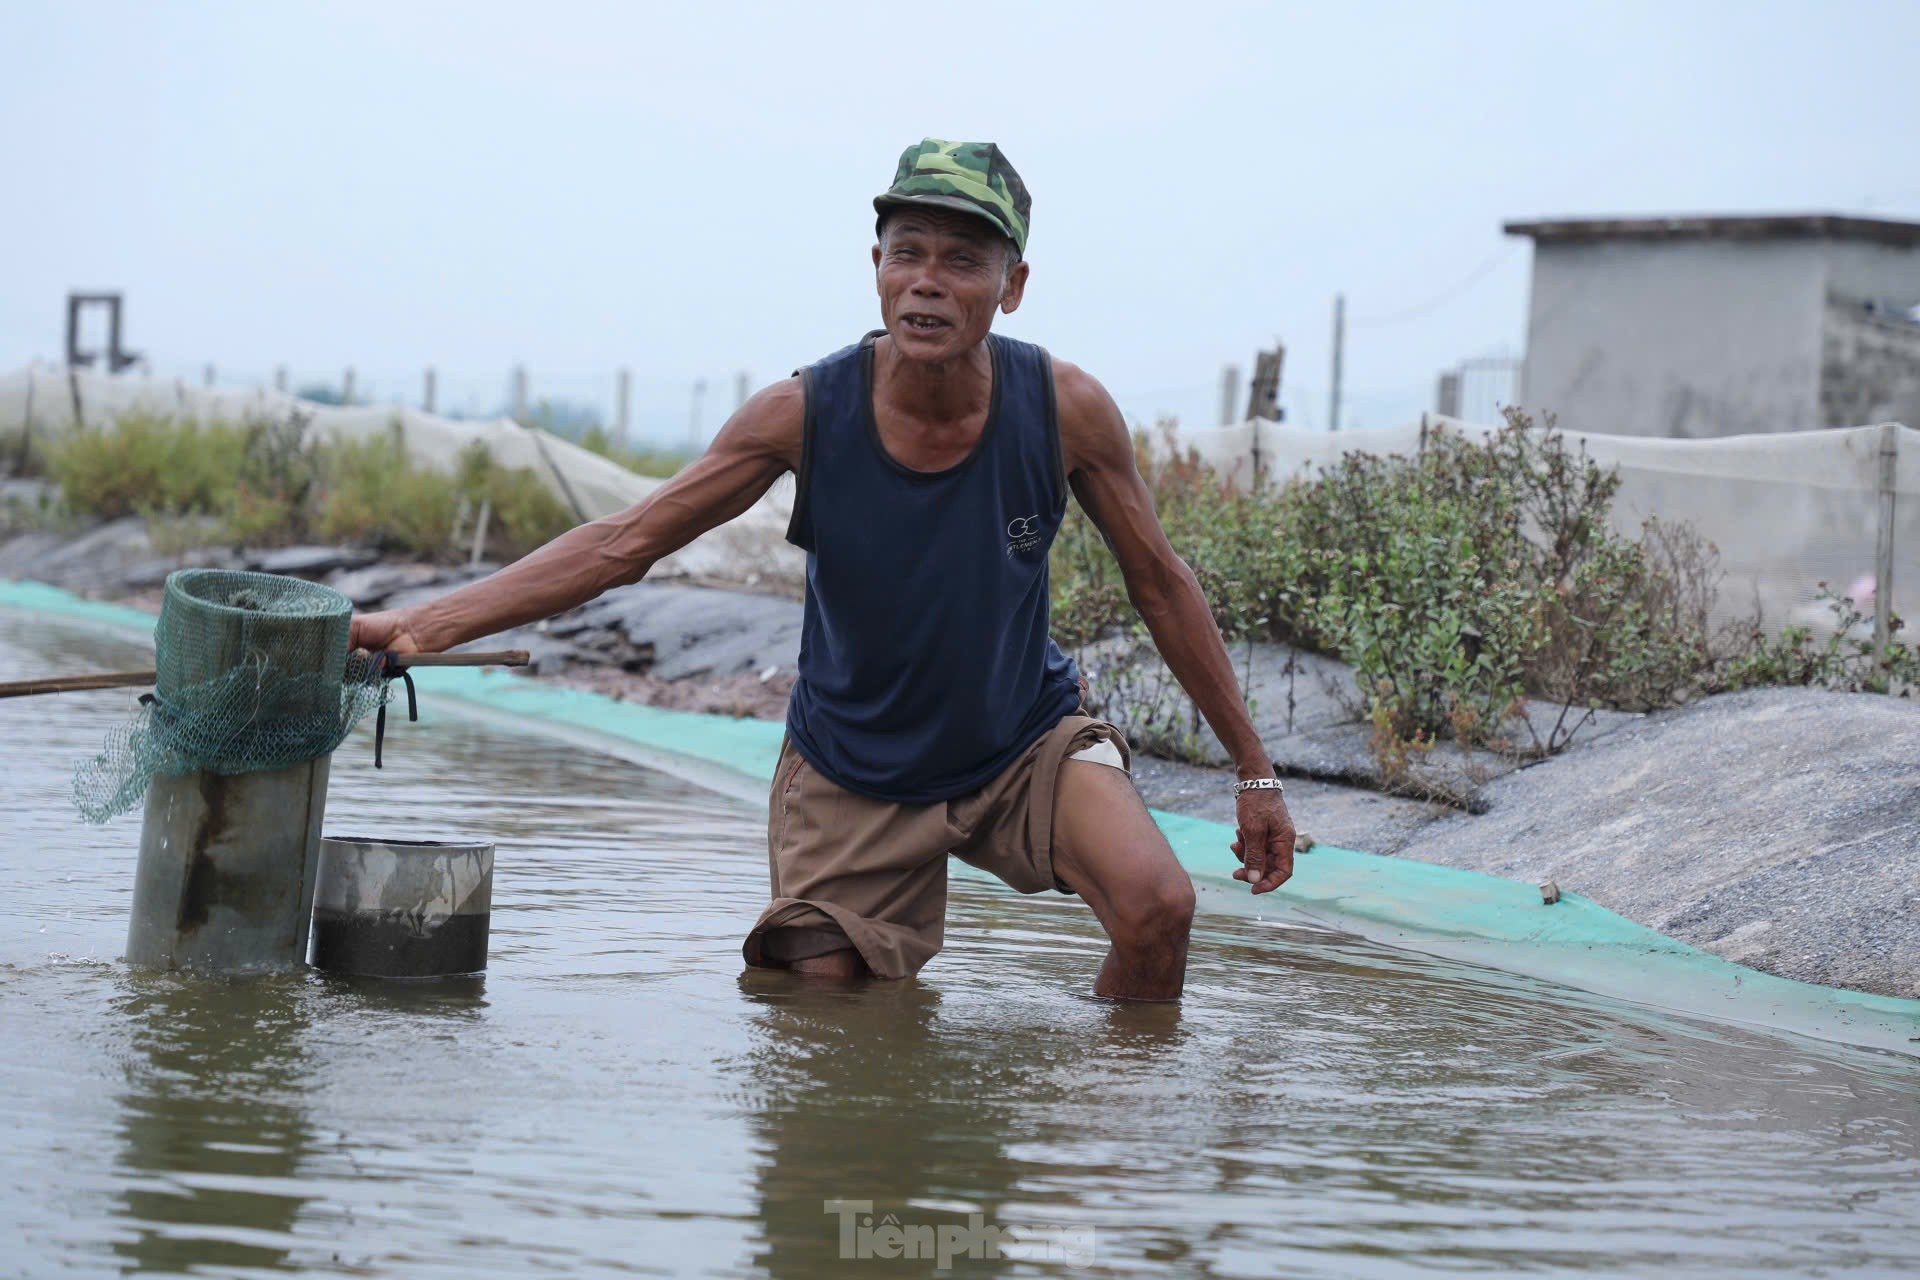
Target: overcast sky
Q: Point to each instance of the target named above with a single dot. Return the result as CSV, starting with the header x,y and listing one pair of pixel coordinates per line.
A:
x,y
685,190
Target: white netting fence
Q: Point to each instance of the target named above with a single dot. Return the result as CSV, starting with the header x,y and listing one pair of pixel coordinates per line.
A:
x,y
1787,511
37,404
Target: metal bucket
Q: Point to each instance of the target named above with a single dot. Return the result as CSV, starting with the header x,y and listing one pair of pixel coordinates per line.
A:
x,y
402,908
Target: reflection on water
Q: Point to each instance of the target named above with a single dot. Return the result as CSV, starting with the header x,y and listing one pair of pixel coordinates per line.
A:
x,y
213,1128
873,1099
814,1053
616,1096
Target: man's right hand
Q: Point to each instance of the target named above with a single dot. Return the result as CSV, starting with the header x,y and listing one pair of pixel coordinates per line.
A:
x,y
388,629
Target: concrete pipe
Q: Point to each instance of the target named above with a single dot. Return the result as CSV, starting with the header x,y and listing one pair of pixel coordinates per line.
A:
x,y
248,688
402,908
226,873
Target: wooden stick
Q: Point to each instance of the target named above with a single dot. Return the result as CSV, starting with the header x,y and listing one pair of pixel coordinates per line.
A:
x,y
145,679
497,658
73,684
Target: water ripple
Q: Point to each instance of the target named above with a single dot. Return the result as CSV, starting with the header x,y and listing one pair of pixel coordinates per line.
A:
x,y
617,1097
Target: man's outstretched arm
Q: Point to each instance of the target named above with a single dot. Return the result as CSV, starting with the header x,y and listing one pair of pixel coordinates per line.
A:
x,y
756,445
1101,469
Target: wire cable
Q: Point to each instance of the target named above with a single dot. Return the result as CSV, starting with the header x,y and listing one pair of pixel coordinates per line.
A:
x,y
1478,274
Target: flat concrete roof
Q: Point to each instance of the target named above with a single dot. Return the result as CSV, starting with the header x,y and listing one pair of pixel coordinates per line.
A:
x,y
1773,226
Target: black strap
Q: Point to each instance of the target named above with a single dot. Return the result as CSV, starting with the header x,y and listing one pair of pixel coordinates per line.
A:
x,y
382,668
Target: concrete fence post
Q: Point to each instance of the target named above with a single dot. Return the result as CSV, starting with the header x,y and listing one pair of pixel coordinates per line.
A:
x,y
622,406
1339,358
480,532
1229,393
1883,542
24,462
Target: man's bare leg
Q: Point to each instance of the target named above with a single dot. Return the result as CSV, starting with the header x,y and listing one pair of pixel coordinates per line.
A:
x,y
845,965
815,950
1107,849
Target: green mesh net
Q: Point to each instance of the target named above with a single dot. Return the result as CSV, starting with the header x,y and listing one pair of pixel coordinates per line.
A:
x,y
253,673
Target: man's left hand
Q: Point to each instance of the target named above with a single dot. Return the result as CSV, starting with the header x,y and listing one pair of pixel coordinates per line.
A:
x,y
1264,842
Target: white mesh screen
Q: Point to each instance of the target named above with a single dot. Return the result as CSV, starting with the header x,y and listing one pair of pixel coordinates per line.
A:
x,y
48,402
1787,511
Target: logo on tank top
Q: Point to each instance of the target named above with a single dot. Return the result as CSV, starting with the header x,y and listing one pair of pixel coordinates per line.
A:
x,y
1023,535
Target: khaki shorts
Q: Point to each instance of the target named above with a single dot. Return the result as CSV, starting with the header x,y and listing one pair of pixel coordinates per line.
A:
x,y
849,868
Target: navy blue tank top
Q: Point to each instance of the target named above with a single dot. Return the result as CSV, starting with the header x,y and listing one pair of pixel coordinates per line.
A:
x,y
925,663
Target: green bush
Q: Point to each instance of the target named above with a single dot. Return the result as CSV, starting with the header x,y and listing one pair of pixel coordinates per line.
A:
x,y
646,462
371,493
23,452
1845,660
145,463
1416,584
1230,538
275,482
267,483
35,510
1458,584
524,512
1478,574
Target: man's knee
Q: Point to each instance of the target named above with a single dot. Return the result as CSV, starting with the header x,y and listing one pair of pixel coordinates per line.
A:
x,y
1157,913
818,951
844,963
788,943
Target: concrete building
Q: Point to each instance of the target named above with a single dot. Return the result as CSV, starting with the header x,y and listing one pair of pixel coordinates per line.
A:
x,y
1712,326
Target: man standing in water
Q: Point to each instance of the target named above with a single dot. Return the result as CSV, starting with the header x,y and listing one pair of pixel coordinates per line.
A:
x,y
933,714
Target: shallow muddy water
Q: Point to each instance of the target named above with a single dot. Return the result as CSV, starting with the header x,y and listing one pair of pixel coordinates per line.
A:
x,y
617,1097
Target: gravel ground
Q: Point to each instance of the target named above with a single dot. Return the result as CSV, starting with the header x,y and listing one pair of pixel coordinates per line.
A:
x,y
1778,827
1351,817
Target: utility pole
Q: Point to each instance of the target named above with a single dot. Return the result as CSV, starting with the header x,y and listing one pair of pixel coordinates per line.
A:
x,y
207,376
427,396
622,404
1339,344
1229,393
346,386
741,389
280,378
693,417
520,394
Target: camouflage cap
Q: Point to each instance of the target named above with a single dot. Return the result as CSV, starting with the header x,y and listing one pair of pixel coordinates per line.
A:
x,y
973,177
